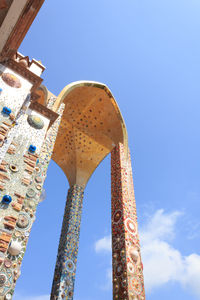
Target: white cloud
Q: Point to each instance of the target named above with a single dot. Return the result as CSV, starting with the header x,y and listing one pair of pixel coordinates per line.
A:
x,y
192,278
20,297
103,244
160,226
162,262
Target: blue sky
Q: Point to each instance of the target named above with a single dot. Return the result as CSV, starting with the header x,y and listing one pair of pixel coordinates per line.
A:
x,y
148,53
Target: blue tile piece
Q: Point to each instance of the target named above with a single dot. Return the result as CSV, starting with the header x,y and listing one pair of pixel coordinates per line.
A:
x,y
6,199
6,110
32,149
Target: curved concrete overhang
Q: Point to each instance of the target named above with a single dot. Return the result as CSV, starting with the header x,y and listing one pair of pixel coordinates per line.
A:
x,y
91,126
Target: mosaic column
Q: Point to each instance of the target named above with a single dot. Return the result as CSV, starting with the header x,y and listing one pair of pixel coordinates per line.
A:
x,y
28,132
65,270
128,283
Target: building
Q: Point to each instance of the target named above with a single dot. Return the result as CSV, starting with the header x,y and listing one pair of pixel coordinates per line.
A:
x,y
77,130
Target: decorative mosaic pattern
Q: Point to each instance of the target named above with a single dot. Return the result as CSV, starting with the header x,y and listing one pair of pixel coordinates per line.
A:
x,y
30,187
24,133
51,102
35,121
17,217
13,97
128,283
22,175
65,270
11,80
24,180
48,145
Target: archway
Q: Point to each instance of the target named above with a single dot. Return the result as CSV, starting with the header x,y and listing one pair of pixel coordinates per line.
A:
x,y
91,127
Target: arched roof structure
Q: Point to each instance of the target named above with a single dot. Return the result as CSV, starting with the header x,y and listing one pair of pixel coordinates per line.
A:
x,y
91,127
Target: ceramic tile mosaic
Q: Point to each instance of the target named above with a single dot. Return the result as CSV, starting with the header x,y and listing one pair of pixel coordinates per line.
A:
x,y
48,145
65,270
26,146
128,283
22,173
13,97
18,216
51,102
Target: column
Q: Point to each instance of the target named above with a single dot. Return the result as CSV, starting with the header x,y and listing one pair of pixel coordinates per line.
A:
x,y
65,270
128,283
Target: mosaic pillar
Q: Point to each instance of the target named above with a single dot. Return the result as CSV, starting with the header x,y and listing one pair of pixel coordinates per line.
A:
x,y
20,193
27,135
128,283
65,270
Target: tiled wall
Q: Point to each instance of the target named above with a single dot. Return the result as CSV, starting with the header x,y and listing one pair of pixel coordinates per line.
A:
x,y
22,172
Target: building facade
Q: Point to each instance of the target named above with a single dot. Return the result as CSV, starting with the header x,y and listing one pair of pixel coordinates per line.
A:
x,y
77,130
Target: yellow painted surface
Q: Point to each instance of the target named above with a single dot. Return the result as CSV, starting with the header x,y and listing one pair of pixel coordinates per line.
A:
x,y
90,128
